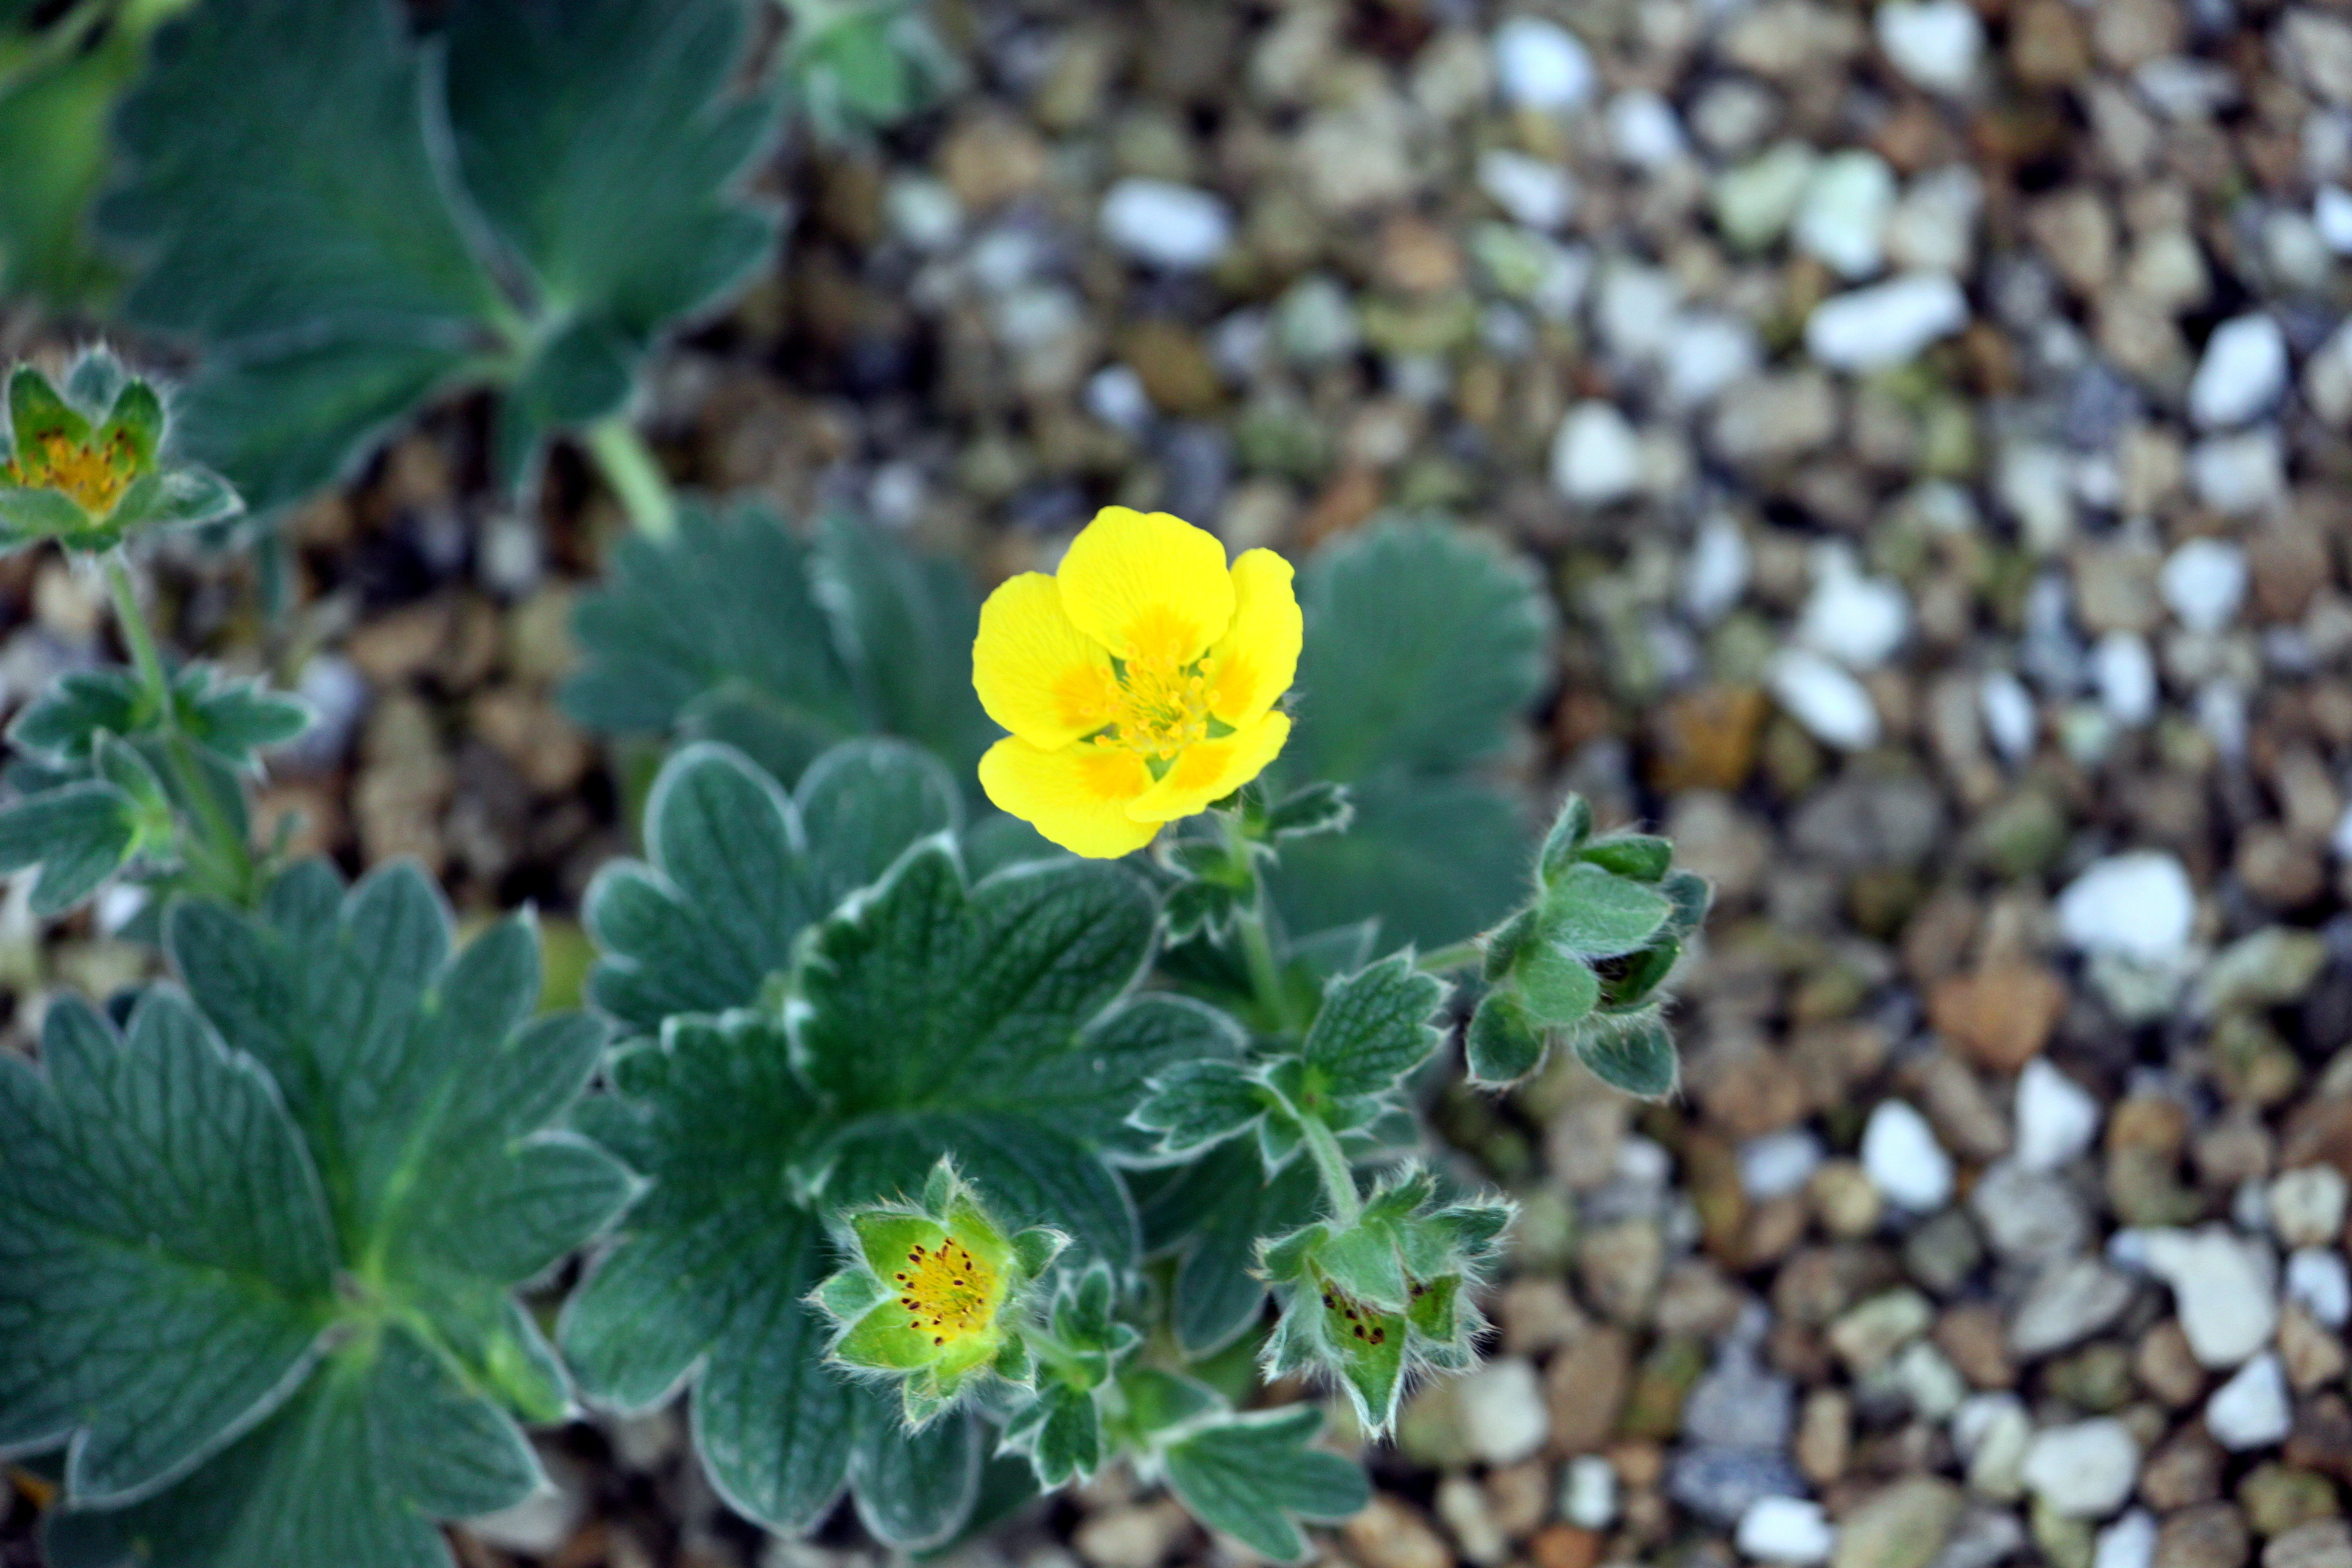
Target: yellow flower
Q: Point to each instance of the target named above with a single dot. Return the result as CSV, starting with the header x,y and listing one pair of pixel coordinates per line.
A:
x,y
1139,681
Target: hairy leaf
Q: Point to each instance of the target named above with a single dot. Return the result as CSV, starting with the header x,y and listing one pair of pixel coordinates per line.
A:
x,y
1252,1476
235,719
79,835
1373,1028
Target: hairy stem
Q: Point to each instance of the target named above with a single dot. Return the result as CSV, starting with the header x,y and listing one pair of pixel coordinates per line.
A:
x,y
132,622
1257,933
628,466
1443,960
1331,1165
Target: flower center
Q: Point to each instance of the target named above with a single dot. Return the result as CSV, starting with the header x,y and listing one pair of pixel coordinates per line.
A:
x,y
947,1293
93,478
1160,708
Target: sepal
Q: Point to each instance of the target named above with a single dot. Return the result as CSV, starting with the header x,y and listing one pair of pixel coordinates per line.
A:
x,y
88,463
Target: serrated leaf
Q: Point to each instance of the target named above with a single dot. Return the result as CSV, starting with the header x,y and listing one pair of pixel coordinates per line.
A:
x,y
1635,1055
1435,858
352,1471
1252,1476
913,1489
1209,1214
1570,828
1424,646
294,220
165,1264
1372,1029
233,719
904,626
1503,1044
79,835
600,141
1062,1434
1194,1104
1594,913
739,871
1317,808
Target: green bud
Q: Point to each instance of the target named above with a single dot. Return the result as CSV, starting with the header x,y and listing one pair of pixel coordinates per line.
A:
x,y
1636,855
86,465
1595,913
934,1293
1556,987
1631,1053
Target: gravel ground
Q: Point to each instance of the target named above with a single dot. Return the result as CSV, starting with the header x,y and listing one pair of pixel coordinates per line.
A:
x,y
1933,420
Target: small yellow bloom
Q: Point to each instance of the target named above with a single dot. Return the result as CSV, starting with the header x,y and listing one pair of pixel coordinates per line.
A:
x,y
1139,681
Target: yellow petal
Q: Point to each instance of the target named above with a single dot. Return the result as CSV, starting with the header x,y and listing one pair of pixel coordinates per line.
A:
x,y
1257,658
1037,673
1076,797
1211,770
1147,586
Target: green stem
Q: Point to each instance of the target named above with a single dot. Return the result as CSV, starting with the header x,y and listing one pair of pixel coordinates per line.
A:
x,y
132,622
1257,933
222,847
1050,1352
628,467
1331,1165
1461,955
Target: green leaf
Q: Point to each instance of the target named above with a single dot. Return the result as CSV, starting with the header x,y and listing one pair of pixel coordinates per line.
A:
x,y
1641,974
600,141
1503,1044
1558,987
1424,646
1209,1214
931,996
1061,1431
284,207
1195,1104
352,1471
739,871
913,1490
720,618
79,835
1308,813
1373,1028
1691,896
708,1277
905,624
235,719
1640,856
1569,829
165,1266
38,411
1435,858
1633,1054
53,156
1594,913
1253,1475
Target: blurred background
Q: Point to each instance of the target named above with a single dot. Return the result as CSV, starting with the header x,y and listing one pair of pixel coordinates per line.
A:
x,y
1929,419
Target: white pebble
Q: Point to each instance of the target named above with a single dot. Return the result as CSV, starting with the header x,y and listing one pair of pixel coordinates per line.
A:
x,y
1596,459
1542,65
2125,672
2251,1409
1716,575
2331,215
1842,219
1903,1160
1644,129
2242,373
2224,1289
2317,1281
1533,191
2238,474
1935,42
2306,1205
1786,1529
2083,1470
1778,1163
1835,708
1858,621
1115,395
1165,223
1504,1415
2203,583
2130,1543
1755,203
1708,352
2009,716
2137,905
1588,1494
1887,323
923,211
2056,1117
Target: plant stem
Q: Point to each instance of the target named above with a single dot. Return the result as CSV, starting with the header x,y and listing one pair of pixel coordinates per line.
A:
x,y
1331,1165
132,622
223,846
1258,933
628,467
1461,955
